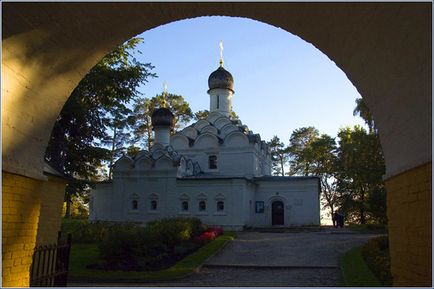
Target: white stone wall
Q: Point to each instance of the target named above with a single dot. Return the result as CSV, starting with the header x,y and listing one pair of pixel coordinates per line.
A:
x,y
100,202
300,199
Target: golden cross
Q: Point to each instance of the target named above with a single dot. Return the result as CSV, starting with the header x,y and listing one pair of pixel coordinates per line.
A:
x,y
221,53
164,94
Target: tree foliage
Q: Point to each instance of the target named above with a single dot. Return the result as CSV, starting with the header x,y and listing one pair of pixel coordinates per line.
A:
x,y
350,171
279,155
363,111
299,149
96,106
314,154
360,169
143,108
203,114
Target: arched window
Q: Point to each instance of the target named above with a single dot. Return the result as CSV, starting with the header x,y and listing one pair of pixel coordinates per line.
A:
x,y
134,204
202,206
153,205
184,205
220,206
212,162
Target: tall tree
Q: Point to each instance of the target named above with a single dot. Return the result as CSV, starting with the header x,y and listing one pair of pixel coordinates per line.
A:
x,y
363,111
321,154
299,141
360,169
96,106
144,108
314,154
279,155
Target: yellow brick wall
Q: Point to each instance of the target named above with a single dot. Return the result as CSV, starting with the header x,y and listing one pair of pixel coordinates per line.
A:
x,y
20,214
409,200
50,218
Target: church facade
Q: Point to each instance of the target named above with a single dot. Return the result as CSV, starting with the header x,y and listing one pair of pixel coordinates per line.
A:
x,y
215,169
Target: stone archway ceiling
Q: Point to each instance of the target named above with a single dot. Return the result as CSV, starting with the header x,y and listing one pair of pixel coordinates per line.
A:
x,y
384,49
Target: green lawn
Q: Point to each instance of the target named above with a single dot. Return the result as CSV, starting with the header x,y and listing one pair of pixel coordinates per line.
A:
x,y
368,228
355,271
86,254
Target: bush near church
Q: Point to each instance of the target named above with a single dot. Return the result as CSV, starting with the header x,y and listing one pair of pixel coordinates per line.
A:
x,y
84,232
156,246
376,255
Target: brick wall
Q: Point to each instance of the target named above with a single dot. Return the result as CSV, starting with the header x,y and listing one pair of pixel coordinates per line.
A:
x,y
20,214
52,197
409,208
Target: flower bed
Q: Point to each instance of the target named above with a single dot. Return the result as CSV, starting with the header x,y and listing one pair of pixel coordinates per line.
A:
x,y
158,245
209,235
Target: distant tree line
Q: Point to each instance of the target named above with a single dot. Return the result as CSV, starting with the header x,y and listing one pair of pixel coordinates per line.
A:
x,y
350,168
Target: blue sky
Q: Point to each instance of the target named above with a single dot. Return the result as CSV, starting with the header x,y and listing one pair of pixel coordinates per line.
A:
x,y
281,82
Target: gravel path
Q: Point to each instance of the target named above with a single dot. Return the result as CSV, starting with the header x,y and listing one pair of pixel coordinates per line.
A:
x,y
272,259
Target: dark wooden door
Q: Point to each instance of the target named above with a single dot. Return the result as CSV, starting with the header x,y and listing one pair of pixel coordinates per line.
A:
x,y
277,212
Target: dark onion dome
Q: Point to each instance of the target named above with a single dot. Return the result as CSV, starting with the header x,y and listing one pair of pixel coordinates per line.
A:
x,y
221,78
162,117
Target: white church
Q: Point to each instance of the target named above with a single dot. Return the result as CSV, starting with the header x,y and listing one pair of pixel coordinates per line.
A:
x,y
215,169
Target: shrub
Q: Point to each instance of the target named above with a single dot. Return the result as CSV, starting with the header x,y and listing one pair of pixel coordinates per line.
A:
x,y
172,231
376,255
150,247
122,246
84,232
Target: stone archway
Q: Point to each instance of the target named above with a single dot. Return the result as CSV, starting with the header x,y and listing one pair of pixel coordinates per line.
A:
x,y
384,49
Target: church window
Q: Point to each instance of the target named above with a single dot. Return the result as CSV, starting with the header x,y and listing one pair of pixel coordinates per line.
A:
x,y
218,101
134,205
212,162
184,206
153,205
220,206
202,206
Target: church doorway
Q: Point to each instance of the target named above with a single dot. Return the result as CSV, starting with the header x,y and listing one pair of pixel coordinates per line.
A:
x,y
277,213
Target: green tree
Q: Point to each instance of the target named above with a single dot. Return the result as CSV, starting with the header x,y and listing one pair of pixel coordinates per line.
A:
x,y
299,143
144,108
360,168
96,106
203,114
279,155
321,155
315,155
363,111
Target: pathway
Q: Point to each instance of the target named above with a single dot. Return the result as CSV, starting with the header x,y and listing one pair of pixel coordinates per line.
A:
x,y
273,259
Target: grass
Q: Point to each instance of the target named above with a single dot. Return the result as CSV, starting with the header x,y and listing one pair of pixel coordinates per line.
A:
x,y
368,228
86,254
355,271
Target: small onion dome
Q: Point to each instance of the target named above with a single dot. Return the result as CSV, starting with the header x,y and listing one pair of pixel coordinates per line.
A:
x,y
221,78
162,117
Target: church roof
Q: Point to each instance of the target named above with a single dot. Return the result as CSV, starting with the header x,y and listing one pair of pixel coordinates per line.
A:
x,y
162,117
222,128
221,78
